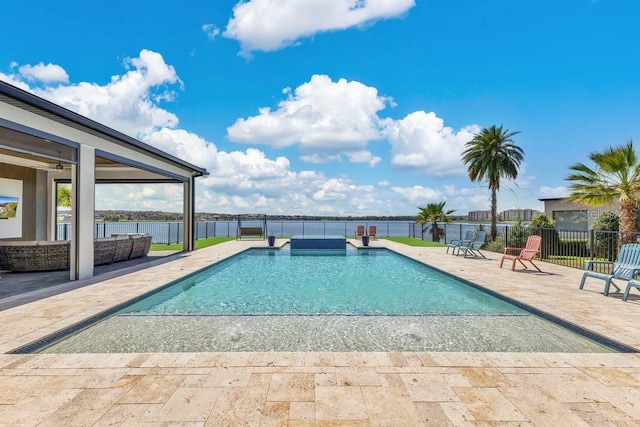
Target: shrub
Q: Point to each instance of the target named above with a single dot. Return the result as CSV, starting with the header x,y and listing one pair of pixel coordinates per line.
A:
x,y
605,242
543,226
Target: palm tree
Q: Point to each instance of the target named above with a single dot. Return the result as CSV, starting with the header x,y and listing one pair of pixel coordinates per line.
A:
x,y
492,155
434,213
615,178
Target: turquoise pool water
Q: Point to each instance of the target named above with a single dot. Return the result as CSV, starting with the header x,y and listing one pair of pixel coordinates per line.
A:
x,y
364,282
368,300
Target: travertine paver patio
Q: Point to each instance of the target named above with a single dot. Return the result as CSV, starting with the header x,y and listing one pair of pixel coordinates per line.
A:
x,y
301,389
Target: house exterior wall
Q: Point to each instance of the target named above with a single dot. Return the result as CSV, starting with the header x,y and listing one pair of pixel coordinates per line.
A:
x,y
572,215
29,205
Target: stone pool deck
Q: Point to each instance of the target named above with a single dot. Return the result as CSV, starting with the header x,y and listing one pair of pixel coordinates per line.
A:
x,y
327,389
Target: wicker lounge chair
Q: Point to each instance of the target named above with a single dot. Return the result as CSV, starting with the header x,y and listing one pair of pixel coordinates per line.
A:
x,y
123,249
103,250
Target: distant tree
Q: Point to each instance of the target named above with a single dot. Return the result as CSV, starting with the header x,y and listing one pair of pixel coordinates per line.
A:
x,y
432,214
492,155
64,195
615,178
542,221
545,227
604,236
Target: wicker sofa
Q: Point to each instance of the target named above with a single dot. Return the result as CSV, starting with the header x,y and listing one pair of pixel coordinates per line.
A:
x,y
21,256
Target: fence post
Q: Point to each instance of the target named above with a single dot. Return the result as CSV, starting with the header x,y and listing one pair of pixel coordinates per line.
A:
x,y
168,233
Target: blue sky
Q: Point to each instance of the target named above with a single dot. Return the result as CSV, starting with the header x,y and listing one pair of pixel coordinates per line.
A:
x,y
337,107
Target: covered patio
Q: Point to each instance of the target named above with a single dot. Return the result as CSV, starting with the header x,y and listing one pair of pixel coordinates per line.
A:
x,y
43,145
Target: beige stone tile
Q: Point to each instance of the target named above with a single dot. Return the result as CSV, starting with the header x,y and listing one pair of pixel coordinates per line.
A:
x,y
398,359
390,380
226,377
562,387
624,398
348,359
390,406
432,414
457,413
358,376
189,404
153,389
412,358
488,404
238,406
23,414
427,359
277,359
340,403
292,387
602,414
484,377
143,414
117,415
428,388
275,414
84,409
612,377
540,408
259,379
326,379
302,411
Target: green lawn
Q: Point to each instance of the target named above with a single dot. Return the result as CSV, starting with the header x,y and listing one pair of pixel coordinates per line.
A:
x,y
415,242
202,243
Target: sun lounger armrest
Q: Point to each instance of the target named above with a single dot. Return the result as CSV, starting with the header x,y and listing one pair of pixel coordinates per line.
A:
x,y
509,249
589,264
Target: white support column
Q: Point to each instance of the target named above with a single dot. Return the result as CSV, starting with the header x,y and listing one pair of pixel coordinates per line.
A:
x,y
189,215
83,213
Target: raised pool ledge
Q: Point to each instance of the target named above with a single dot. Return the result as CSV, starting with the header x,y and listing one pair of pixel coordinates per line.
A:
x,y
331,244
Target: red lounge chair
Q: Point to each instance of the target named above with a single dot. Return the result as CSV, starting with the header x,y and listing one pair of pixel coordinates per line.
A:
x,y
360,231
528,253
372,232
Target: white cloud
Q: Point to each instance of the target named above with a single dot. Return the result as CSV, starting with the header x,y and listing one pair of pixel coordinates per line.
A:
x,y
328,120
128,103
553,192
320,116
422,142
363,156
49,73
211,31
269,25
419,195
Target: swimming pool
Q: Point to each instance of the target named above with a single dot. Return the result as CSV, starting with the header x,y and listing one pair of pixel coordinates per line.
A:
x,y
366,300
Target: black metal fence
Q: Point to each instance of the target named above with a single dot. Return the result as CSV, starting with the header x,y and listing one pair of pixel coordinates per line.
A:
x,y
570,248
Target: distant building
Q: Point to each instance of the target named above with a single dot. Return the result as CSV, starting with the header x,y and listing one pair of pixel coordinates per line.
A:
x,y
512,214
480,216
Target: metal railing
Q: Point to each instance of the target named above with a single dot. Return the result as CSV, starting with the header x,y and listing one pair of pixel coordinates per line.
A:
x,y
570,248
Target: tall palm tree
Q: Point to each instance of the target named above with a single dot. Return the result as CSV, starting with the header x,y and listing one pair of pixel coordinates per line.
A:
x,y
434,213
492,155
616,178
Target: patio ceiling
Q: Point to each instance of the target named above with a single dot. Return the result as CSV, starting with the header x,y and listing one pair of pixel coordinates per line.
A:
x,y
29,151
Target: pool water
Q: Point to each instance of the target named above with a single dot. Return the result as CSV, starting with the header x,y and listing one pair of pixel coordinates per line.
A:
x,y
365,282
366,300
